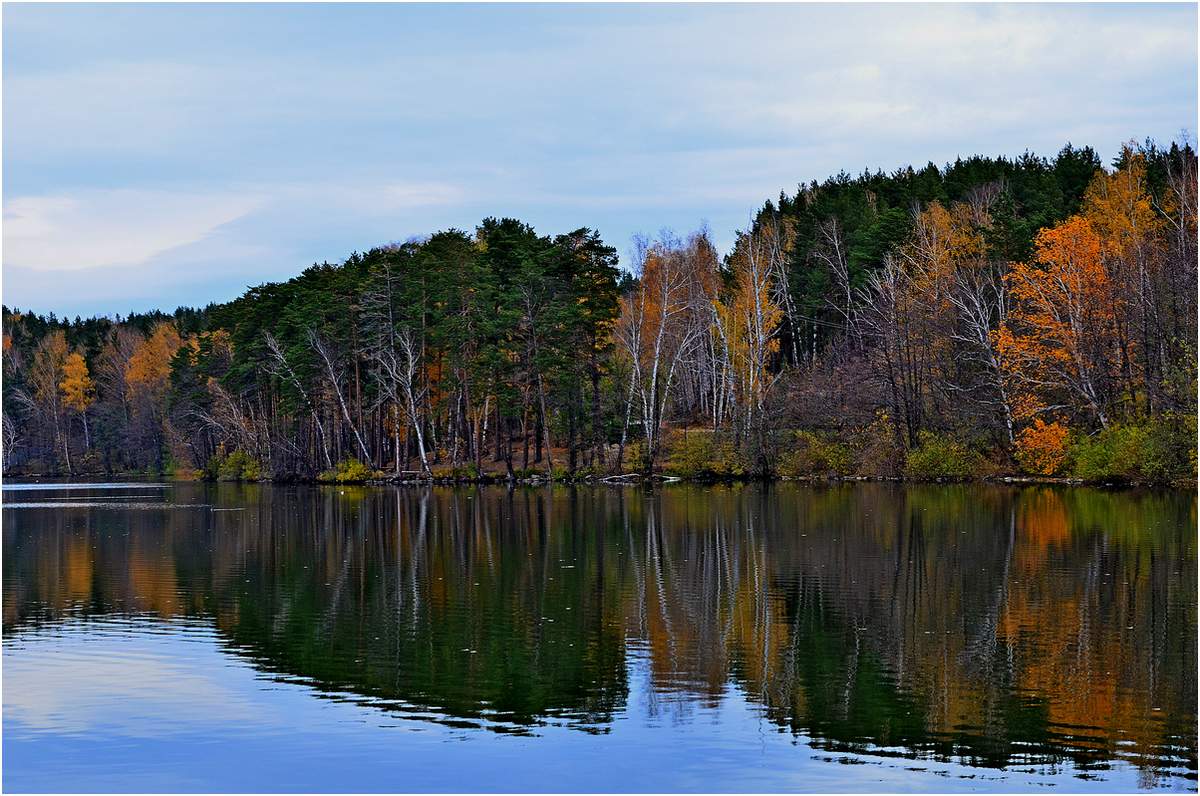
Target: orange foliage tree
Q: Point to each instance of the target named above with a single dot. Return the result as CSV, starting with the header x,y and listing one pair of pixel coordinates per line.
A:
x,y
1041,448
1059,343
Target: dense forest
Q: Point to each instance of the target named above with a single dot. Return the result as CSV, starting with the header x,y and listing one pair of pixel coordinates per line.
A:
x,y
992,316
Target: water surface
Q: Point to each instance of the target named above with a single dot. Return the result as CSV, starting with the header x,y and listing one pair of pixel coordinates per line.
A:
x,y
869,637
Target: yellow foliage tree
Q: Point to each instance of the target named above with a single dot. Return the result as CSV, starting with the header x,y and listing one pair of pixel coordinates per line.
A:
x,y
78,390
45,373
1120,209
149,368
748,319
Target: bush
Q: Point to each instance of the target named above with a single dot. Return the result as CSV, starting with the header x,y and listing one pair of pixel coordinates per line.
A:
x,y
691,455
941,456
1170,452
90,462
701,454
1041,449
1113,453
349,471
1160,450
237,466
879,450
816,455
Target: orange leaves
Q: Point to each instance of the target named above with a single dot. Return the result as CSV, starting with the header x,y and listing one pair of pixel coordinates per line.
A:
x,y
1056,295
78,389
150,366
1041,448
1059,330
1070,253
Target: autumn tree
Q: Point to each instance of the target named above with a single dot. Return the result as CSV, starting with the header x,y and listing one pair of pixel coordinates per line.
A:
x,y
749,319
660,323
78,390
1062,344
147,379
45,375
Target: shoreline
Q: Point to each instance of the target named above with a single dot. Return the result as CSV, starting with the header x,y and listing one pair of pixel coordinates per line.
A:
x,y
627,479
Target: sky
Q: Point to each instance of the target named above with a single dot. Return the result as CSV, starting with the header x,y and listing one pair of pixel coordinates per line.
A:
x,y
166,155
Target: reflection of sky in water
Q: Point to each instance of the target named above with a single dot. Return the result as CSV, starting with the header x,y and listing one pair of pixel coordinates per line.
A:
x,y
145,705
300,639
79,487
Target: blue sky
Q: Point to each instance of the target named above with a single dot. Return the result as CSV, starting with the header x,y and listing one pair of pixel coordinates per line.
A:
x,y
157,155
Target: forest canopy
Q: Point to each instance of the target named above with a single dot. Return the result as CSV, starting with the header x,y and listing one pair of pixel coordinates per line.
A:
x,y
992,316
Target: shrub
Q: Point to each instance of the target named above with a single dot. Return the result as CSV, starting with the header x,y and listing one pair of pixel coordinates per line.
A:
x,y
941,456
237,466
349,471
1041,449
90,462
691,455
701,454
1162,449
1113,453
212,467
1170,448
879,450
816,455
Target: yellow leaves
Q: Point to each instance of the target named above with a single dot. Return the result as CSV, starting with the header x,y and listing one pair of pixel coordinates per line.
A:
x,y
749,315
46,371
78,389
150,366
946,238
1119,207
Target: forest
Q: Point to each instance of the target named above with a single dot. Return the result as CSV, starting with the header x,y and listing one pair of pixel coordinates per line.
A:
x,y
991,317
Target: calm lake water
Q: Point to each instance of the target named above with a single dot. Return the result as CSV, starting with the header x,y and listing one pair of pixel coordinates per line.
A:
x,y
191,637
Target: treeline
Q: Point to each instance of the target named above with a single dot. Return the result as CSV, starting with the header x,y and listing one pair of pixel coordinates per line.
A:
x,y
991,316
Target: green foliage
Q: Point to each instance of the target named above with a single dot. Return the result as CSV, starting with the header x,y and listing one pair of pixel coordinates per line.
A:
x,y
702,454
1111,454
941,456
235,466
816,455
1169,453
349,471
1159,450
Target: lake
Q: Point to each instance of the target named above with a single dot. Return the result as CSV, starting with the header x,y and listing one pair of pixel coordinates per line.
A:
x,y
858,637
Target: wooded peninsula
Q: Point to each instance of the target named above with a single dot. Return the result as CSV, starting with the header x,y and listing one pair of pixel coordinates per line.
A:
x,y
992,317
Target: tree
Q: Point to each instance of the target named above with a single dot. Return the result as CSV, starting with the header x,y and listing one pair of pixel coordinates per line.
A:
x,y
1061,339
147,379
45,376
661,320
78,390
750,320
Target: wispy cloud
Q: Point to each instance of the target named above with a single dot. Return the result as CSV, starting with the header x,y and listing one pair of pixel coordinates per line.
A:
x,y
96,229
260,139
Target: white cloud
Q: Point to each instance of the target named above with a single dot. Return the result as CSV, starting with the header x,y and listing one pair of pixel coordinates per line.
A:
x,y
437,118
96,229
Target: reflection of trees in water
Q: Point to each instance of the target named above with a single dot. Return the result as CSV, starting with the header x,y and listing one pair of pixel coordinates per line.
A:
x,y
998,626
